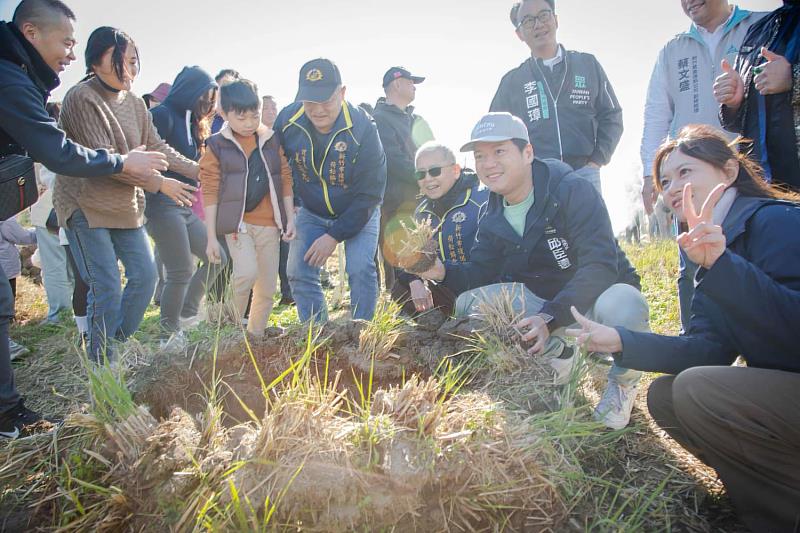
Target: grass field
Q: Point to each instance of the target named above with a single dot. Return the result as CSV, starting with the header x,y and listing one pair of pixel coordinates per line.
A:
x,y
634,480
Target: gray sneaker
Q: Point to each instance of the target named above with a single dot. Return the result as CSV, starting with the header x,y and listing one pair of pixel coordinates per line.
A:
x,y
614,409
16,350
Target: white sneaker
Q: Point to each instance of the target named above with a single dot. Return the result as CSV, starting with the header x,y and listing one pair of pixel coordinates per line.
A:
x,y
175,343
16,350
614,409
564,365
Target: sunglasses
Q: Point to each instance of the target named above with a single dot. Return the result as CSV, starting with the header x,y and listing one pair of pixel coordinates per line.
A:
x,y
435,172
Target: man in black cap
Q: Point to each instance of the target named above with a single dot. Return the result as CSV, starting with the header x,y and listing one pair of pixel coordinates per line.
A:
x,y
339,171
396,122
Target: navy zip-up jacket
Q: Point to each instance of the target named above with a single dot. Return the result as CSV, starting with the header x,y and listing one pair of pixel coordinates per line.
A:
x,y
457,215
571,111
747,304
348,184
172,118
567,254
25,127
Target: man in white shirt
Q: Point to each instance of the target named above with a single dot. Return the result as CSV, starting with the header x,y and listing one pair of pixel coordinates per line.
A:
x,y
680,93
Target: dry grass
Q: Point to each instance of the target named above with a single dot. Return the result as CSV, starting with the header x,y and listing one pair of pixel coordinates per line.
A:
x,y
506,451
418,249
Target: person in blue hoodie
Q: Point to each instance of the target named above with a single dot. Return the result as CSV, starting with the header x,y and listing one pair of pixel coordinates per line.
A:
x,y
183,121
339,171
742,421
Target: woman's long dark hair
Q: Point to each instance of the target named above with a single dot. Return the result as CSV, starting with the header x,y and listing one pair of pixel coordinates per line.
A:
x,y
709,144
202,116
100,41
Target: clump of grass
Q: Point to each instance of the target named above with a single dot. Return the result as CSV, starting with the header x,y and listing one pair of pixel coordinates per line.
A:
x,y
379,335
418,251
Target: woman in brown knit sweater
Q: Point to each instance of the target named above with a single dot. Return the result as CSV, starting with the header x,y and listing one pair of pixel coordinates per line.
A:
x,y
104,217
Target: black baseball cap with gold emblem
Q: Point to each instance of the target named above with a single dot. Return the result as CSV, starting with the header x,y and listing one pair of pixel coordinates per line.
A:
x,y
318,79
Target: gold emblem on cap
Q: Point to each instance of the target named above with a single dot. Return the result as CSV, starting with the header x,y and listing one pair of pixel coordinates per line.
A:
x,y
341,146
314,75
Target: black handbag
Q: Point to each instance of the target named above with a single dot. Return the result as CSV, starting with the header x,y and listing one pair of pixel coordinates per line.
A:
x,y
18,189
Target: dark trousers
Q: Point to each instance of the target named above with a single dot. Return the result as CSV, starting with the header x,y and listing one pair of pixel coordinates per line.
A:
x,y
286,289
443,298
80,292
8,390
744,423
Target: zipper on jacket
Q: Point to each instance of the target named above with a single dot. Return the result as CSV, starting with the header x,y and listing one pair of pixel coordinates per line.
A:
x,y
327,149
555,100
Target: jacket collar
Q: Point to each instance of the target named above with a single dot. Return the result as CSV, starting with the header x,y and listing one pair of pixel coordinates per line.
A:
x,y
742,210
736,17
16,49
544,206
263,134
343,122
457,196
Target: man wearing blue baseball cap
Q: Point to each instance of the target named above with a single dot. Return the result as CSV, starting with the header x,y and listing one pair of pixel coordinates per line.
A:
x,y
339,171
546,241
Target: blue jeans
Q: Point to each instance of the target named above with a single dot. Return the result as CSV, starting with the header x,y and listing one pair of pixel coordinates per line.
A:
x,y
55,274
620,305
592,175
112,312
360,260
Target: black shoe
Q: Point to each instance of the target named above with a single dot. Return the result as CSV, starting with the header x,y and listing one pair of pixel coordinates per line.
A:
x,y
286,300
17,419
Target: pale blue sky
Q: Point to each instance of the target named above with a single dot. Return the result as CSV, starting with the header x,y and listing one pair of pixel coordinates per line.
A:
x,y
463,47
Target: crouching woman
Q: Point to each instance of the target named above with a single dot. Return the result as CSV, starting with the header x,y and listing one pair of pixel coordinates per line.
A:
x,y
743,422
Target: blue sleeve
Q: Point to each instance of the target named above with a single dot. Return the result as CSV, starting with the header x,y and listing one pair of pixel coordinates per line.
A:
x,y
701,346
367,188
24,117
481,270
763,299
593,248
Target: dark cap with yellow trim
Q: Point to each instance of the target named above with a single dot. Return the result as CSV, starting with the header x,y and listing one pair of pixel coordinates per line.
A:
x,y
319,78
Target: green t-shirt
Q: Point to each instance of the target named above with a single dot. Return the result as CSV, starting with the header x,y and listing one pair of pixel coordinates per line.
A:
x,y
517,213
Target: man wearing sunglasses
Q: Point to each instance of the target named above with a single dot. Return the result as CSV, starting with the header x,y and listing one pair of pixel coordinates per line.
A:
x,y
546,242
563,96
454,201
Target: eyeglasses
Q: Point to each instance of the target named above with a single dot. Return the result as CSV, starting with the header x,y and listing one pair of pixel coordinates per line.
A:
x,y
435,172
529,21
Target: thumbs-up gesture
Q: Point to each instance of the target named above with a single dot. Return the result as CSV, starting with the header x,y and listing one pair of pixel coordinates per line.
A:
x,y
774,76
593,336
704,243
729,87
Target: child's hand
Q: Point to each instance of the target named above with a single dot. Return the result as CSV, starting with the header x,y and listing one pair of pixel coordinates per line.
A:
x,y
213,251
290,232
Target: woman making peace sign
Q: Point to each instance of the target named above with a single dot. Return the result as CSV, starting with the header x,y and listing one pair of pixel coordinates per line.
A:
x,y
745,235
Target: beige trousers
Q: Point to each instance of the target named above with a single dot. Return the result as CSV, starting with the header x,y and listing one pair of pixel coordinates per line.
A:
x,y
255,255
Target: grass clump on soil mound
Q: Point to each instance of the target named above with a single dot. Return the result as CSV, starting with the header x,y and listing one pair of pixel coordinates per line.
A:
x,y
305,432
418,248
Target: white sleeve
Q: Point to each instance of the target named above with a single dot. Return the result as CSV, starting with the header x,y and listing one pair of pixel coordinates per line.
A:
x,y
658,114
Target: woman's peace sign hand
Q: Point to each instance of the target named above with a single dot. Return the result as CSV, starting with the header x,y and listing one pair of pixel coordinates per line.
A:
x,y
704,243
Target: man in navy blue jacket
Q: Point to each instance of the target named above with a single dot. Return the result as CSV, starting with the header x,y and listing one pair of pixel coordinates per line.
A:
x,y
339,171
546,242
35,47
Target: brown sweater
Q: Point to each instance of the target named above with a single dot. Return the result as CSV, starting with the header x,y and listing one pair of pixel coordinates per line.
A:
x,y
210,178
118,122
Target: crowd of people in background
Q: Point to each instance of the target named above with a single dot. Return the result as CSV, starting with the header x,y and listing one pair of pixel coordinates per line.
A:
x,y
204,187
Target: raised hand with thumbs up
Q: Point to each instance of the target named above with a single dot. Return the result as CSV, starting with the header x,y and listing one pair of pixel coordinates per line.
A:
x,y
729,87
774,76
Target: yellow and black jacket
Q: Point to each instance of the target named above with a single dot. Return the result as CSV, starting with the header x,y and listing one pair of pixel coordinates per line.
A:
x,y
348,183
